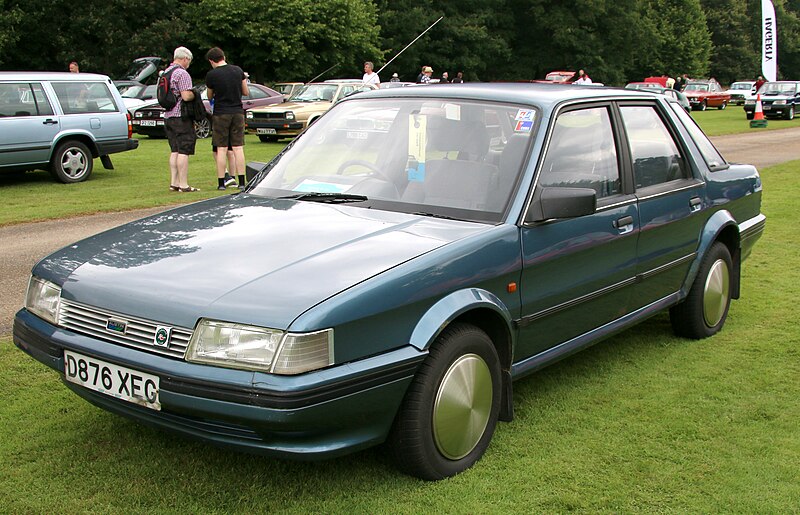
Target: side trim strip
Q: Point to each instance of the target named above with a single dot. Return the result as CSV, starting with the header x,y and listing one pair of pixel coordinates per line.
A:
x,y
529,319
26,149
753,226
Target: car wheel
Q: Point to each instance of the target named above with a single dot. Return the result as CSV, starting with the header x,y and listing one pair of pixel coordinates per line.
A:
x,y
705,309
72,162
450,410
750,116
703,105
202,128
723,106
267,139
789,114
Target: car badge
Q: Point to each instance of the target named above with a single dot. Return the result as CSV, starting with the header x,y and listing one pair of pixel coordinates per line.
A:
x,y
162,337
115,325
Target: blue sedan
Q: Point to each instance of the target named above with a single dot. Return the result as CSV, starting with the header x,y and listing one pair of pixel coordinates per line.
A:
x,y
392,272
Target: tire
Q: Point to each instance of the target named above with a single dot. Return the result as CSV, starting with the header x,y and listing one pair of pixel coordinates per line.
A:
x,y
703,105
450,410
750,116
723,106
267,139
703,312
789,114
202,128
72,162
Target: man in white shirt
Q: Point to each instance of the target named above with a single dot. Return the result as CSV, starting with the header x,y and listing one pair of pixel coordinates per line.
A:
x,y
583,78
370,77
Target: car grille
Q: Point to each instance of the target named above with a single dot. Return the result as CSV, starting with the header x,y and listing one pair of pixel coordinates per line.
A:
x,y
267,116
139,333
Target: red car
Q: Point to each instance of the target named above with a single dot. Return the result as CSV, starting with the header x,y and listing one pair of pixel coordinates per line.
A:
x,y
703,94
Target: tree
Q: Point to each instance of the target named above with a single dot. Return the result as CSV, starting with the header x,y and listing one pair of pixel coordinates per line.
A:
x,y
292,39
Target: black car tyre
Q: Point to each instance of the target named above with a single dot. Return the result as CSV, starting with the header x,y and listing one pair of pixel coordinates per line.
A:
x,y
705,309
267,139
789,114
750,116
703,105
202,128
450,410
723,106
72,162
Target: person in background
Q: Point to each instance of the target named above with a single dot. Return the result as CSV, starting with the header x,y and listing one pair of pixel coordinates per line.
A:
x,y
225,84
583,78
444,79
680,82
670,82
73,67
459,78
427,71
759,82
395,78
370,77
421,73
180,131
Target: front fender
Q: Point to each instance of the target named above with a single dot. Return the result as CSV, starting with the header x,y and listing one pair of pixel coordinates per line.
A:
x,y
719,222
447,309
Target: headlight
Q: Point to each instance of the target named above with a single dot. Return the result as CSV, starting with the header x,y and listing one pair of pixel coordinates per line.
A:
x,y
137,114
161,114
289,115
779,102
249,115
258,348
42,299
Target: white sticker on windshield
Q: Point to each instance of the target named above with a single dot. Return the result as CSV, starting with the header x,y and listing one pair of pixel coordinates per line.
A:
x,y
452,111
417,141
525,115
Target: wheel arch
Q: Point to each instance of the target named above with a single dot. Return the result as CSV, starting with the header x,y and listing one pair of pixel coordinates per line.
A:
x,y
720,227
84,138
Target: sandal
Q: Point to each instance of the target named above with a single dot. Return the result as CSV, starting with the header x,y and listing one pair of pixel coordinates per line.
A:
x,y
188,189
174,188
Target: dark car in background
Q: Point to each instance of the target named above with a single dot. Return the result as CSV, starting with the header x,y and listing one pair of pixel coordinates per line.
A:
x,y
779,99
398,266
150,120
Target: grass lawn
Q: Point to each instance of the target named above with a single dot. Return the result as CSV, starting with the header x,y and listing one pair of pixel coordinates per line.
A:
x,y
140,179
642,422
732,120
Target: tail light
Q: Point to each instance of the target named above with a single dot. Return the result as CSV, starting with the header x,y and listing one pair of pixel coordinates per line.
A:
x,y
130,125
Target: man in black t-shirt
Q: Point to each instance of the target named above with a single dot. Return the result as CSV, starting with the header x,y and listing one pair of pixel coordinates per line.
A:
x,y
226,83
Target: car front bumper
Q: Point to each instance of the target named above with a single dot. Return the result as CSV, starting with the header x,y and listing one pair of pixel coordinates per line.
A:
x,y
281,127
318,414
769,110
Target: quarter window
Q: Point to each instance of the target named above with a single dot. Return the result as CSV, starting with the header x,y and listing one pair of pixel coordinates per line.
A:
x,y
582,153
84,97
656,158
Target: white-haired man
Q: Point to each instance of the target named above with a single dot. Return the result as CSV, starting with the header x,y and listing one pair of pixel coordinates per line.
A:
x,y
180,131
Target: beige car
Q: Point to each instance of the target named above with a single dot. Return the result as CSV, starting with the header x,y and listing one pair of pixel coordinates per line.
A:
x,y
309,103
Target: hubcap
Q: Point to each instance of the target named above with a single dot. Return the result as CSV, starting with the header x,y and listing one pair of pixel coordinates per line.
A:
x,y
462,408
73,163
716,292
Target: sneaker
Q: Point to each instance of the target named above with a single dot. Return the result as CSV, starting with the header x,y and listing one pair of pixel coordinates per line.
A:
x,y
222,188
241,187
230,181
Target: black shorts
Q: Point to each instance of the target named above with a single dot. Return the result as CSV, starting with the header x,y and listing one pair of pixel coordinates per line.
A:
x,y
181,136
228,130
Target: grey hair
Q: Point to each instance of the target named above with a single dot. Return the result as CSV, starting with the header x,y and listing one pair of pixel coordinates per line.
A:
x,y
182,53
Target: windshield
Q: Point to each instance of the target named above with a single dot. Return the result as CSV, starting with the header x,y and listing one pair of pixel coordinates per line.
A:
x,y
132,91
444,158
777,88
315,93
741,85
696,87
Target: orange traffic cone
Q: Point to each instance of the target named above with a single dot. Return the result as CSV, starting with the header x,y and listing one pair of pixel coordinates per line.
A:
x,y
758,122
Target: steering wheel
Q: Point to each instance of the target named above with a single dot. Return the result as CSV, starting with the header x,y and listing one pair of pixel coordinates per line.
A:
x,y
376,172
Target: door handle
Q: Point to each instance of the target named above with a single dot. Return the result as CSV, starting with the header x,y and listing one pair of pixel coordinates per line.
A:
x,y
695,204
50,121
624,224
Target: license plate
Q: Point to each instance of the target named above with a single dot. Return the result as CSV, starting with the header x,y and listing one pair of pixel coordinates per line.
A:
x,y
266,131
766,108
120,382
147,123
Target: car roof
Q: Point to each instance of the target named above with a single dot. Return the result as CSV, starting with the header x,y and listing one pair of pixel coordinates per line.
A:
x,y
518,93
52,76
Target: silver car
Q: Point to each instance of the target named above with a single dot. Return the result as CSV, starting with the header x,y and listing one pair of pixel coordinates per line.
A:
x,y
61,122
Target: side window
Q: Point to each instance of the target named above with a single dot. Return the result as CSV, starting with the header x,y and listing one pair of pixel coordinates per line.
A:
x,y
655,155
42,104
255,93
712,157
84,97
582,153
346,90
16,99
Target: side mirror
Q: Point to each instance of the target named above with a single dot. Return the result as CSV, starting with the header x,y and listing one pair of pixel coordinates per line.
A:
x,y
559,202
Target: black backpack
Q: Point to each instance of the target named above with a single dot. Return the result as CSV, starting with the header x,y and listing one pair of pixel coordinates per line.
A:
x,y
166,97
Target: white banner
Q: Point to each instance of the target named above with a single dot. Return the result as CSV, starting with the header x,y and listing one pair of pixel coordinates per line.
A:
x,y
769,41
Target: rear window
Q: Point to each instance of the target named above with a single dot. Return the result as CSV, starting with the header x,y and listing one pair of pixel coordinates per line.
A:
x,y
84,97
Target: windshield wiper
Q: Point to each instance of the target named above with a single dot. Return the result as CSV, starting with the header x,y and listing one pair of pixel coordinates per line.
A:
x,y
435,215
331,198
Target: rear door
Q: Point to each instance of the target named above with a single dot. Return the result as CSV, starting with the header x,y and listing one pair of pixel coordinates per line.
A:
x,y
92,108
28,124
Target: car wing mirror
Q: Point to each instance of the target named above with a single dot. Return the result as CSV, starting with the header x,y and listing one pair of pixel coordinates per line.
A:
x,y
560,202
